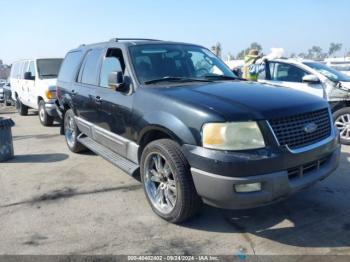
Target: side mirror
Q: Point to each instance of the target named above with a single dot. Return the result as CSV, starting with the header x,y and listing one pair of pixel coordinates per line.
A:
x,y
311,79
116,80
28,76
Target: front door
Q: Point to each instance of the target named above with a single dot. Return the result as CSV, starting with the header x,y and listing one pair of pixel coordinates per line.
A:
x,y
114,107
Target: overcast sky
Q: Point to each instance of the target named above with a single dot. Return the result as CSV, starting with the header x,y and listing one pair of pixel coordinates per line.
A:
x,y
41,28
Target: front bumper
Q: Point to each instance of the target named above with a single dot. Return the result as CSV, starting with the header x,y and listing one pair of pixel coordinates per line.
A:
x,y
274,169
50,109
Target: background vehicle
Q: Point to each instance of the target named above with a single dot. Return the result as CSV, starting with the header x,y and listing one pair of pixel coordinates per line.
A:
x,y
8,94
343,67
176,113
33,84
2,83
317,79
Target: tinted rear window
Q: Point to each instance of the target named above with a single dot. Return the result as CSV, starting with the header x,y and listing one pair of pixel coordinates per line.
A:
x,y
90,70
69,66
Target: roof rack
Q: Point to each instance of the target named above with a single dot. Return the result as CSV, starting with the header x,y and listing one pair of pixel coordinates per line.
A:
x,y
132,39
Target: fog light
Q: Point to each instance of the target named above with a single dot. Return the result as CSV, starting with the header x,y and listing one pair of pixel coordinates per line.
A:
x,y
245,188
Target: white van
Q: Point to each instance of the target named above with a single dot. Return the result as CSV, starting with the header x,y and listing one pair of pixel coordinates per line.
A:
x,y
33,85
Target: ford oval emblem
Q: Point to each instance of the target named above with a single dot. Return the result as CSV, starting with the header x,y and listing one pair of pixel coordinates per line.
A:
x,y
310,128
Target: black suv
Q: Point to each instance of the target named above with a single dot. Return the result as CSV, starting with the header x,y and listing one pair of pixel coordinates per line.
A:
x,y
197,133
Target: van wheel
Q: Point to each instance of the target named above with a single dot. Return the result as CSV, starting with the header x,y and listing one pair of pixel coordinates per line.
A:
x,y
167,181
22,109
342,122
44,117
71,132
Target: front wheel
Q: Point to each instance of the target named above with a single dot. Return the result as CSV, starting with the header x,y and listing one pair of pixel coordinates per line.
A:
x,y
71,132
44,117
342,122
167,181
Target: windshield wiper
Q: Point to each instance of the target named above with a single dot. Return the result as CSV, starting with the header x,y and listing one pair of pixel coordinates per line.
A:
x,y
223,77
175,79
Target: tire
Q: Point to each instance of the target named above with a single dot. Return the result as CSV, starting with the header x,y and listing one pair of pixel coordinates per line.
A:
x,y
71,132
342,122
179,206
22,109
44,117
7,103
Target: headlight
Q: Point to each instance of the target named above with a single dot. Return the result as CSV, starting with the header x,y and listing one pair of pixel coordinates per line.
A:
x,y
49,94
232,136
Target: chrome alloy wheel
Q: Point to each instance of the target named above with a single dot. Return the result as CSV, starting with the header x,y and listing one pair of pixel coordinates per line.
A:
x,y
42,113
343,125
160,183
70,132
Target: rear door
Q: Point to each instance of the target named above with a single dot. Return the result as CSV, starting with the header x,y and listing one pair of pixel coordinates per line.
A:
x,y
291,76
85,97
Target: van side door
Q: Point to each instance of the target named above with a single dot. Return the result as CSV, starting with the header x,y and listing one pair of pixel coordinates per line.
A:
x,y
23,83
30,85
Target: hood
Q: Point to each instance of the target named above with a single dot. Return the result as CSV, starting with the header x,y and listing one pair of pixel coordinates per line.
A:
x,y
246,100
50,83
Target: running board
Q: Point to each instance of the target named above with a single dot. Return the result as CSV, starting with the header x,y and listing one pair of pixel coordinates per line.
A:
x,y
117,160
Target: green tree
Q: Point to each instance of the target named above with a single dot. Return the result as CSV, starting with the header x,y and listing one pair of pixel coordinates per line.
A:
x,y
333,48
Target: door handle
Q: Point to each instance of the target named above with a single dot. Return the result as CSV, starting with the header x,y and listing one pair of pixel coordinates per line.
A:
x,y
98,99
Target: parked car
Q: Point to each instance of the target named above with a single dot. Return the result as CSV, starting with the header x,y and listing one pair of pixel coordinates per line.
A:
x,y
33,84
8,95
1,92
317,79
343,67
178,115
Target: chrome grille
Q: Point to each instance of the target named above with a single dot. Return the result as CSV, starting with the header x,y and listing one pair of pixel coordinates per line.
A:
x,y
291,131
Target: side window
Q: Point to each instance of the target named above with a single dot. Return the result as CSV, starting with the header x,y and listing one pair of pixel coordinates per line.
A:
x,y
90,68
14,70
286,73
32,68
24,69
70,66
112,62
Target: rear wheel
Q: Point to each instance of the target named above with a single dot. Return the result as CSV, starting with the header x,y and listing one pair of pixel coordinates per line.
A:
x,y
342,122
71,132
7,102
44,117
21,108
167,181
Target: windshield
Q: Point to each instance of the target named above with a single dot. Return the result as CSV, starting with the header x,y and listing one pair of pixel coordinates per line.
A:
x,y
328,72
169,61
49,68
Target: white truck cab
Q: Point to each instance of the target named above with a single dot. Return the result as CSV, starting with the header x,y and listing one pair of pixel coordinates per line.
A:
x,y
33,85
317,79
